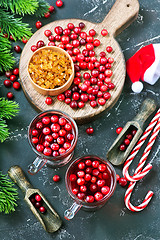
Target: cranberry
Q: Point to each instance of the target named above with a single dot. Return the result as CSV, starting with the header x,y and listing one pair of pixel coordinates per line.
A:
x,y
90,199
61,97
95,164
11,38
80,56
16,85
24,40
46,144
81,25
111,85
58,30
93,187
129,136
89,39
42,209
46,130
76,96
70,136
57,38
38,24
17,49
98,196
81,196
77,30
49,138
55,135
89,130
38,204
5,35
8,74
89,170
34,132
62,132
51,9
89,46
101,68
33,48
84,97
82,41
126,142
82,65
134,132
108,65
47,15
70,26
81,165
122,182
66,32
59,3
47,151
100,93
83,188
95,73
87,177
109,49
73,36
110,60
101,101
51,44
89,91
62,121
96,42
54,118
73,104
39,125
83,87
80,174
103,88
16,71
55,147
35,140
72,177
76,51
118,130
102,167
105,176
40,44
101,182
48,100
56,178
60,140
38,198
69,46
122,147
55,127
67,100
93,179
55,154
7,83
80,181
75,191
13,78
65,39
105,190
10,95
92,32
117,177
104,32
45,120
103,60
47,33
95,172
93,104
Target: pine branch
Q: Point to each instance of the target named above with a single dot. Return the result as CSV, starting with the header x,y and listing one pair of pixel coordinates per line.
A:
x,y
6,57
42,9
8,195
20,7
14,26
4,132
8,109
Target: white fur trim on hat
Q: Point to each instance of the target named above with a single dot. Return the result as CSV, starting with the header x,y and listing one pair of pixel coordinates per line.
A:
x,y
137,87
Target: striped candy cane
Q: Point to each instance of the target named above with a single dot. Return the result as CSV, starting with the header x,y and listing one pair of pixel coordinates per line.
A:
x,y
148,130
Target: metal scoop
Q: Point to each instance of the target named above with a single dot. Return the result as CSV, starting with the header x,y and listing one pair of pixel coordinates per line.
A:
x,y
50,221
114,155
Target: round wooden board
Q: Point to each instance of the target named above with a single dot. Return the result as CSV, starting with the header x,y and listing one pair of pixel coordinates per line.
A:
x,y
118,67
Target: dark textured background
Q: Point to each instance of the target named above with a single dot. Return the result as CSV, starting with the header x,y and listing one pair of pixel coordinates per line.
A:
x,y
113,221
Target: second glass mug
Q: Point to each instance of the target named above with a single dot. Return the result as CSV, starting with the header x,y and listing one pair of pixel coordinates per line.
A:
x,y
56,161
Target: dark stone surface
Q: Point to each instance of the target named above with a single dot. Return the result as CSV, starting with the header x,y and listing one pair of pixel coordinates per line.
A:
x,y
113,221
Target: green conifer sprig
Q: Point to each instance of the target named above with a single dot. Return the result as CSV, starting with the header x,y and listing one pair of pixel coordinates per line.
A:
x,y
4,132
6,57
8,109
20,7
42,8
8,195
14,26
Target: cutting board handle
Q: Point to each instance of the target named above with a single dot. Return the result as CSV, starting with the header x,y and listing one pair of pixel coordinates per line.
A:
x,y
18,176
147,108
121,15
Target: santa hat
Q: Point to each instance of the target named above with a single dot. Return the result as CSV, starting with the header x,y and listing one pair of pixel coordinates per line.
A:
x,y
144,65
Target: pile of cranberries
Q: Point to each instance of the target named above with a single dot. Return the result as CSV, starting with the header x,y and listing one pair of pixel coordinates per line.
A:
x,y
37,202
94,84
12,81
52,135
128,138
90,180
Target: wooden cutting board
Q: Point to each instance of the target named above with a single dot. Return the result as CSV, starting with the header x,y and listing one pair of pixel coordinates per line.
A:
x,y
120,16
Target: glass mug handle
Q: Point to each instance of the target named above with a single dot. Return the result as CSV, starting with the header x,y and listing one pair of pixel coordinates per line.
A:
x,y
34,167
70,213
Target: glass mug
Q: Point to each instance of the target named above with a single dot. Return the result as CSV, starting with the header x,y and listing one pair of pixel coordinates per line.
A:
x,y
52,161
70,184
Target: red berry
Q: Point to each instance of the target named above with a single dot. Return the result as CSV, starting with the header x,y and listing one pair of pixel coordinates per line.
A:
x,y
49,138
47,33
17,49
34,132
89,170
118,130
105,176
87,177
96,42
62,151
47,15
83,188
93,179
67,145
105,190
51,38
51,9
33,48
102,167
56,178
108,73
8,74
35,140
134,132
46,130
24,40
55,127
7,83
68,127
77,30
11,38
80,174
16,85
81,25
62,132
48,100
92,32
60,140
55,135
81,165
93,103
38,24
58,30
59,3
101,182
66,31
126,142
117,177
81,195
70,26
70,136
89,46
104,32
122,147
80,104
13,78
10,95
57,38
55,154
101,101
106,95
95,172
42,209
129,136
76,96
110,60
95,164
93,187
45,120
55,146
39,125
40,147
65,39
90,199
40,44
61,97
54,118
80,181
73,177
111,85
47,151
98,196
122,182
75,191
38,204
109,49
38,198
16,71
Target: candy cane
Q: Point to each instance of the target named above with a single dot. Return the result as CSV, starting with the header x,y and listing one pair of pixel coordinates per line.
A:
x,y
146,152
